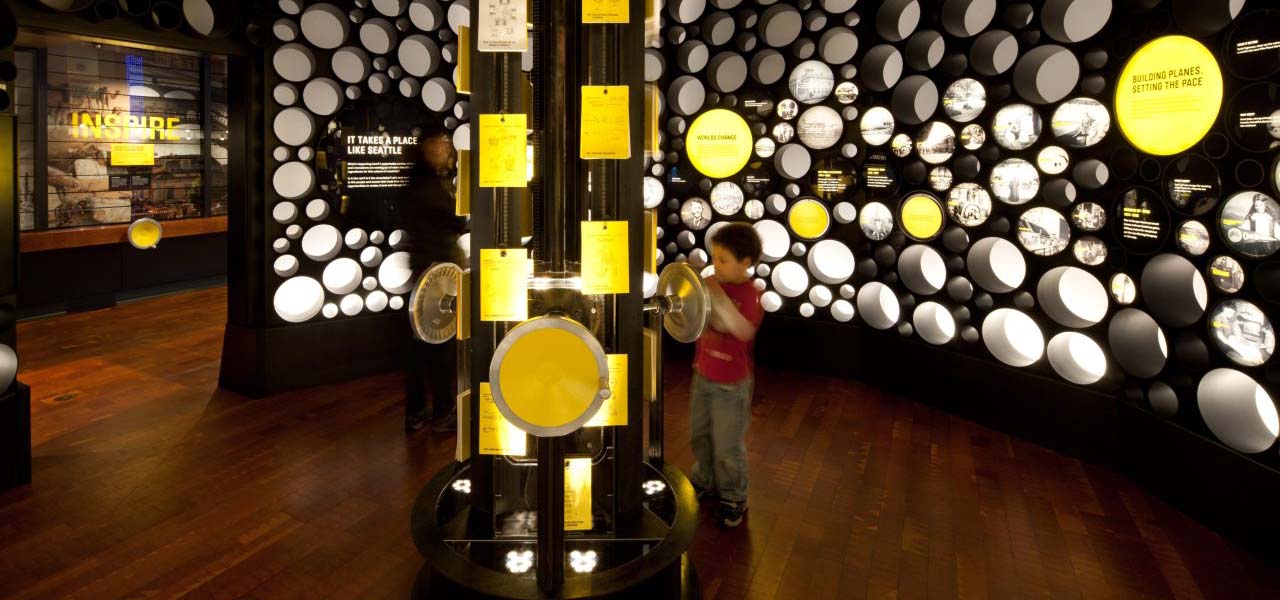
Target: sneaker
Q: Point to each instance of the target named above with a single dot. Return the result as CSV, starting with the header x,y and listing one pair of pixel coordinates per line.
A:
x,y
414,422
445,423
703,494
729,514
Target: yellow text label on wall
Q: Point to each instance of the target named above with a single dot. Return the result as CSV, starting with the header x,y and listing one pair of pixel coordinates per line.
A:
x,y
922,217
613,411
606,264
606,11
1168,95
504,284
503,162
497,434
719,143
577,494
809,219
133,155
606,122
118,126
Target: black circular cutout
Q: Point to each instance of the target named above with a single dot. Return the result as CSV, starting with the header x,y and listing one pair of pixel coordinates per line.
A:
x,y
1149,169
8,70
1215,145
1250,173
1124,163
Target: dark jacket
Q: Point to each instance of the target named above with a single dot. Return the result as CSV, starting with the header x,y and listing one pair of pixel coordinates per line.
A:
x,y
426,211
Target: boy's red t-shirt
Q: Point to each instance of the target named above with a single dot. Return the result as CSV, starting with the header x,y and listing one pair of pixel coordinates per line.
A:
x,y
722,357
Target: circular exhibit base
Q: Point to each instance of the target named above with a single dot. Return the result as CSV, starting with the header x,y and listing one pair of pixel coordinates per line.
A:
x,y
642,557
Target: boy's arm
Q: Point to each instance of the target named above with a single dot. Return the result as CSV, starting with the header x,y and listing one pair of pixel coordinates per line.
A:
x,y
731,320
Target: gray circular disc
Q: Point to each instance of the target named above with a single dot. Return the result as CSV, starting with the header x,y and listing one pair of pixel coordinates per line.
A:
x,y
780,25
993,52
1070,21
792,161
915,99
881,68
727,71
967,18
838,45
897,19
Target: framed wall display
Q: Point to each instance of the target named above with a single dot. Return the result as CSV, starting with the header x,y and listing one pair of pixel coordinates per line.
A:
x,y
833,179
1016,127
1226,274
1043,231
921,216
1253,117
1089,251
973,136
940,178
1052,160
1193,238
368,150
1242,332
964,99
1080,122
1249,223
1140,220
811,82
936,142
876,221
1123,289
1089,216
876,125
1014,181
878,174
1251,45
969,204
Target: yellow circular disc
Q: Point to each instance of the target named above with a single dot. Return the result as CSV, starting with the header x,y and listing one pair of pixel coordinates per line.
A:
x,y
719,143
809,219
1168,95
921,217
549,376
144,233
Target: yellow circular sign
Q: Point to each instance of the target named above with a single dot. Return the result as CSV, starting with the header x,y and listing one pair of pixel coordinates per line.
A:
x,y
1168,95
921,217
809,219
550,376
144,233
719,143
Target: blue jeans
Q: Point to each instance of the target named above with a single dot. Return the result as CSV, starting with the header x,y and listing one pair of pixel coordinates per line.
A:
x,y
718,417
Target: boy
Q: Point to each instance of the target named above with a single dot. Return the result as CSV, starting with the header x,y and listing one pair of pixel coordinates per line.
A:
x,y
720,401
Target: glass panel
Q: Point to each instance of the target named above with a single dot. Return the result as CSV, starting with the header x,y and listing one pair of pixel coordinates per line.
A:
x,y
25,106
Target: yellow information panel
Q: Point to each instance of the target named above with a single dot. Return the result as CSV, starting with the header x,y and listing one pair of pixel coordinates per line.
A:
x,y
606,265
577,494
503,162
921,217
504,284
719,143
606,11
497,435
133,155
1168,95
606,122
613,412
809,219
462,78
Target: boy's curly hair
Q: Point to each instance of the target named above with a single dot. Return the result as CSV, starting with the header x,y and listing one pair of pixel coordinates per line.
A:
x,y
740,239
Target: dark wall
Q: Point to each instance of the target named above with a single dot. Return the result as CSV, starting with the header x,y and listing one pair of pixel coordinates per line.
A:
x,y
95,276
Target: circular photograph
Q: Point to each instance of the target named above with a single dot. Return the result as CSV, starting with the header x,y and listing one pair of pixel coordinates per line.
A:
x,y
964,100
876,221
1192,184
1193,238
788,109
846,92
1089,216
1242,331
1014,181
811,82
1226,274
901,145
1016,127
1052,160
969,204
1250,223
758,102
1080,122
754,209
820,127
936,142
696,213
876,125
833,179
1253,117
973,136
653,192
1251,45
1123,289
784,133
726,198
1043,231
765,147
940,179
1090,251
1141,221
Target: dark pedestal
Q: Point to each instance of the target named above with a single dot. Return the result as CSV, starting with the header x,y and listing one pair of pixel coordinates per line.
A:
x,y
15,437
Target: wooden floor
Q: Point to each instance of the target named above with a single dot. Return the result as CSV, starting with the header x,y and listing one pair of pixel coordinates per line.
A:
x,y
150,482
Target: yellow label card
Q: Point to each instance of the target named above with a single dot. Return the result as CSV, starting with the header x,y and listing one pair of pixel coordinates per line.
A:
x,y
462,193
577,494
497,434
462,75
464,305
613,412
605,261
606,124
502,150
133,155
462,449
651,241
606,11
504,284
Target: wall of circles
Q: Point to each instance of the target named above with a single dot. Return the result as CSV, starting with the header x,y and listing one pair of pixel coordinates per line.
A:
x,y
323,58
1001,178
